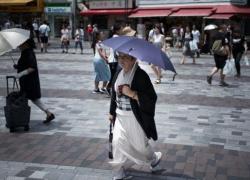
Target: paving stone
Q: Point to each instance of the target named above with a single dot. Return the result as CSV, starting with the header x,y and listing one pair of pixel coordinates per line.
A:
x,y
206,126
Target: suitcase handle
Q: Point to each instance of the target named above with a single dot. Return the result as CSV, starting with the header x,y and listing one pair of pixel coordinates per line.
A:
x,y
15,84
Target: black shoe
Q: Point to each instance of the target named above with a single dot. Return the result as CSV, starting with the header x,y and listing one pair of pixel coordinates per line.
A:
x,y
223,84
95,91
49,118
209,80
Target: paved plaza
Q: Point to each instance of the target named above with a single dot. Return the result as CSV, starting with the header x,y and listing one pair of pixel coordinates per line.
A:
x,y
204,130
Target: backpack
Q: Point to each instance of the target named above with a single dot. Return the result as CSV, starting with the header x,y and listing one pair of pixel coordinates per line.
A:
x,y
218,49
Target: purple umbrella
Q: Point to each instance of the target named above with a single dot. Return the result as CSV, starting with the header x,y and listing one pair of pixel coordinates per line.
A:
x,y
140,49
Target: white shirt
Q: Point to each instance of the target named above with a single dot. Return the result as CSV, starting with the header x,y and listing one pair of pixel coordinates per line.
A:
x,y
158,40
35,26
65,34
111,57
151,34
44,28
196,35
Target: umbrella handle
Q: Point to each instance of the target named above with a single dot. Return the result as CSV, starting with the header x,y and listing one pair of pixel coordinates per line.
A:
x,y
174,76
12,59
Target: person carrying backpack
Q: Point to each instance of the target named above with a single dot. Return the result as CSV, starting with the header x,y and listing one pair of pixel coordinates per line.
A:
x,y
221,52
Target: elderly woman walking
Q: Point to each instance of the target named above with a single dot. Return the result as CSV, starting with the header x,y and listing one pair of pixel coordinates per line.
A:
x,y
132,111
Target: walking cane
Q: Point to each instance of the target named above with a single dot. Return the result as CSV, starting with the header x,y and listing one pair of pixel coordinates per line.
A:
x,y
110,140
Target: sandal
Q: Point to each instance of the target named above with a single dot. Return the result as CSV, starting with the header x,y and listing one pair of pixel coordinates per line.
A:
x,y
158,81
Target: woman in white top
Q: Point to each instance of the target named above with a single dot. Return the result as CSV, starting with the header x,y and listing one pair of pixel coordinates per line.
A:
x,y
101,67
64,39
159,41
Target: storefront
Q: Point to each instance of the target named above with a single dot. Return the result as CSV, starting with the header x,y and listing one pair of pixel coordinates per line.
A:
x,y
19,12
105,13
58,14
189,12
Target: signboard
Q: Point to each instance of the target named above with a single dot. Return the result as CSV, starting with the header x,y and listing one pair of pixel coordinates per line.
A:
x,y
56,10
111,4
167,2
240,2
36,6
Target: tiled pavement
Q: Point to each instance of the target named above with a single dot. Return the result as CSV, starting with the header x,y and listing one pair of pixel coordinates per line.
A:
x,y
204,131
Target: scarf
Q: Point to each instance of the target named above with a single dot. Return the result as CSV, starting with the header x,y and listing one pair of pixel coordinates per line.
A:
x,y
125,78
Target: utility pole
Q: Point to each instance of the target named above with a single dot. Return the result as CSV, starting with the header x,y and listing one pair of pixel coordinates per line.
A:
x,y
73,18
126,9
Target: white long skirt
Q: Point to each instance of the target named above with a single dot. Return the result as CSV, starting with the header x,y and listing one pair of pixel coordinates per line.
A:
x,y
130,141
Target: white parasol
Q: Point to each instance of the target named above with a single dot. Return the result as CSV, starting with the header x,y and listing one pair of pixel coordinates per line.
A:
x,y
210,27
11,38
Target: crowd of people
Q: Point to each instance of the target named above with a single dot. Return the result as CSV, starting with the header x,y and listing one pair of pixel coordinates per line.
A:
x,y
131,92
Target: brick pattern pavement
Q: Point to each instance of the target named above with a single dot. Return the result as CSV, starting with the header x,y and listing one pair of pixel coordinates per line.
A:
x,y
203,130
213,162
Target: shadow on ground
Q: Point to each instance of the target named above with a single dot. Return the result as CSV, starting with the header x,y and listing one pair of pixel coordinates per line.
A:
x,y
160,175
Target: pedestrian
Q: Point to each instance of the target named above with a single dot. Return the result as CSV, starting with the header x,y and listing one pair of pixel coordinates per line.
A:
x,y
188,37
206,47
102,72
36,30
174,33
132,110
89,31
44,36
196,38
79,34
113,64
238,42
94,34
64,39
220,58
158,40
151,34
28,75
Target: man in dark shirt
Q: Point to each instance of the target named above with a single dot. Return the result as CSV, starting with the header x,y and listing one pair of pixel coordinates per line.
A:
x,y
220,60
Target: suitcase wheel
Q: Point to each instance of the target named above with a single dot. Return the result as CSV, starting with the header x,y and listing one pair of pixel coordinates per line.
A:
x,y
26,128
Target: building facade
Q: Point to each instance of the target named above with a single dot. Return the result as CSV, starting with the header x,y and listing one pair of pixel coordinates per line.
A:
x,y
20,12
189,12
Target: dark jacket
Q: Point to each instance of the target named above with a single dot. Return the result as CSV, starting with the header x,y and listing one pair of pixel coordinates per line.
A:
x,y
145,110
29,84
238,46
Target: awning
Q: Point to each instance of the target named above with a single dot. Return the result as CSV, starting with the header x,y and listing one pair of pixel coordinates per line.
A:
x,y
192,12
220,16
230,9
104,12
14,2
150,13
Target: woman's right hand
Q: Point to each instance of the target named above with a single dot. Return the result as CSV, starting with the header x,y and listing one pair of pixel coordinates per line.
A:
x,y
111,118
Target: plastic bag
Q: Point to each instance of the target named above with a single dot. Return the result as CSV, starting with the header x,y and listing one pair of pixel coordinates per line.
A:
x,y
229,68
193,45
246,60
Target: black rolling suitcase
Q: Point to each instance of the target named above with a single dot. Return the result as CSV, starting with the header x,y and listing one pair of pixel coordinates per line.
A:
x,y
17,110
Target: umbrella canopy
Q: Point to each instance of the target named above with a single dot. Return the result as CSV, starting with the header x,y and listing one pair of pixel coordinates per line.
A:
x,y
140,49
11,38
210,27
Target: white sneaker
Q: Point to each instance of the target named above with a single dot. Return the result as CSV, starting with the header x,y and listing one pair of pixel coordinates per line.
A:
x,y
155,163
123,178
